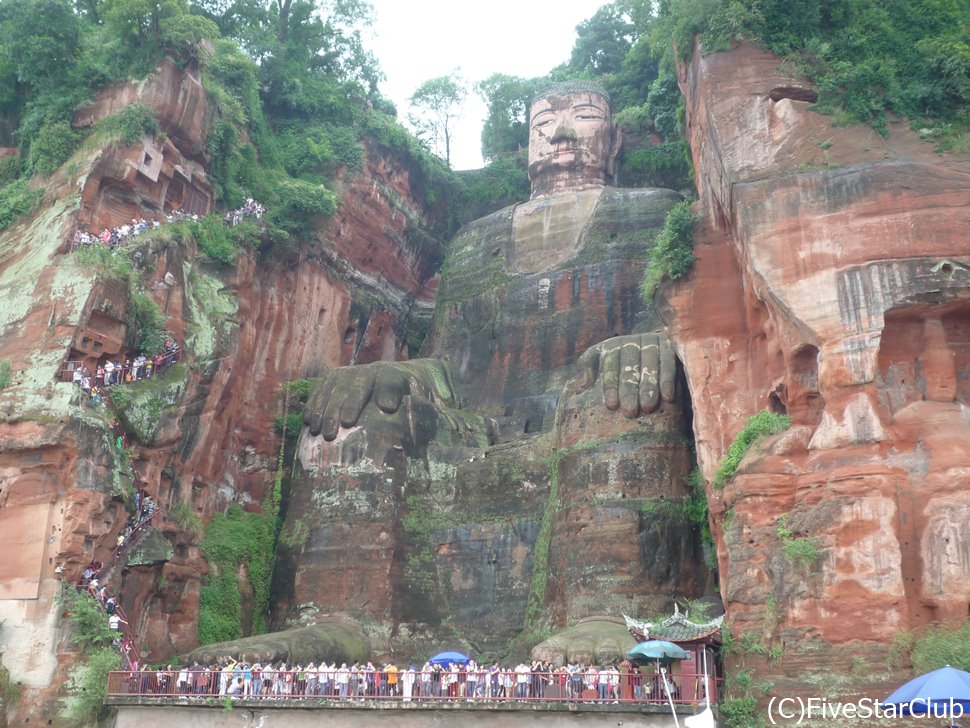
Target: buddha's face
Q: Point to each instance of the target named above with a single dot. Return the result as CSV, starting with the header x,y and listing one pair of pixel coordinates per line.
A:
x,y
571,143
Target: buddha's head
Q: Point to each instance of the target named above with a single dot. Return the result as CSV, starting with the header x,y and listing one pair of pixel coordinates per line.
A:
x,y
572,141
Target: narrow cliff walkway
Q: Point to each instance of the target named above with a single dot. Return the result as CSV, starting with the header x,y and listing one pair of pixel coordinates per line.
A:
x,y
97,584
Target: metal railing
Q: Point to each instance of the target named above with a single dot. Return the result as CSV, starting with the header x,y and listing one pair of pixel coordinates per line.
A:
x,y
126,642
160,364
407,686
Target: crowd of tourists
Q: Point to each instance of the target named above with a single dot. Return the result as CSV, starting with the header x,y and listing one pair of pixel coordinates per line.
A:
x,y
110,373
535,681
91,578
251,210
112,236
120,234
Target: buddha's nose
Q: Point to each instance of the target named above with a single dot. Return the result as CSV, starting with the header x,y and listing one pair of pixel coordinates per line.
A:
x,y
564,133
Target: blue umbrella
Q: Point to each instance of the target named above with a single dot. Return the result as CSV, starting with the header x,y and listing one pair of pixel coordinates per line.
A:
x,y
443,658
657,650
936,693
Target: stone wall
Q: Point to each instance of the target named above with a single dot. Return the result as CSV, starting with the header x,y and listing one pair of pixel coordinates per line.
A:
x,y
392,716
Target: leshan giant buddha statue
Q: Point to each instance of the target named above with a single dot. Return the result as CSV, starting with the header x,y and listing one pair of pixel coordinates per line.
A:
x,y
531,470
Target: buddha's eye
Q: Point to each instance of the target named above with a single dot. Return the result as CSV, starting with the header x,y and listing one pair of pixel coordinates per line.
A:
x,y
543,123
589,117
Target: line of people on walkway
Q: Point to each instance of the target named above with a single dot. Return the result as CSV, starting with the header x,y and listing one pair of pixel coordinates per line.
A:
x,y
112,236
111,373
250,210
120,234
535,681
91,578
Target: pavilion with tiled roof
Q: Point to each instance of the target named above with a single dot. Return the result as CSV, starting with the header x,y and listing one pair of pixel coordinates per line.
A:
x,y
701,641
677,628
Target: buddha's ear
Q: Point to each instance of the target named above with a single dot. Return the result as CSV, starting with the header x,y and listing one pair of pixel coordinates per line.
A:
x,y
614,153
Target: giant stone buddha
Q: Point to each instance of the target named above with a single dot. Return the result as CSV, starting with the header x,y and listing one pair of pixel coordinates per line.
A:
x,y
531,471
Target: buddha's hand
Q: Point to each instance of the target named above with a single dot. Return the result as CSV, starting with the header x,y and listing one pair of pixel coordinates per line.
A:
x,y
341,396
637,372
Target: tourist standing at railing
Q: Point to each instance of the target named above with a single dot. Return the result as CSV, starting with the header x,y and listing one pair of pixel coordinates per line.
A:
x,y
407,683
343,680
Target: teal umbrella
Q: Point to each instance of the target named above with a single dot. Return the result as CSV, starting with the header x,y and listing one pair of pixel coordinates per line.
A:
x,y
659,651
656,650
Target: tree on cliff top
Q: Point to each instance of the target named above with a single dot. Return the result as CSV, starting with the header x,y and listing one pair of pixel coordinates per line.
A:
x,y
507,98
437,105
907,57
310,55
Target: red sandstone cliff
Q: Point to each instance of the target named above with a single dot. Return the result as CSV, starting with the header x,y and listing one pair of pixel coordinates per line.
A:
x,y
833,284
348,297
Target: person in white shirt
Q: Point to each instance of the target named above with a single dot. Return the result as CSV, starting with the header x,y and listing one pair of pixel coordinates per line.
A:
x,y
522,673
408,683
343,680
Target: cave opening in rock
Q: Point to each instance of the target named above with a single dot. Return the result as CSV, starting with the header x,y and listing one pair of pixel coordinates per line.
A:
x,y
794,93
805,402
924,355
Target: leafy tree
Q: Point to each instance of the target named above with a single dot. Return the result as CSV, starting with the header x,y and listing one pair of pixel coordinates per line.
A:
x,y
603,40
54,144
437,105
311,56
507,98
638,71
149,28
40,39
909,57
503,181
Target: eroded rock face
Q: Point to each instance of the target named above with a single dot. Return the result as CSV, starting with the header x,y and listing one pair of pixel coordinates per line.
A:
x,y
157,175
211,438
833,283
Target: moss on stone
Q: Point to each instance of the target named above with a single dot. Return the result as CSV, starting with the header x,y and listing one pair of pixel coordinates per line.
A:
x,y
540,554
42,237
141,405
211,309
331,639
475,264
154,548
235,541
295,535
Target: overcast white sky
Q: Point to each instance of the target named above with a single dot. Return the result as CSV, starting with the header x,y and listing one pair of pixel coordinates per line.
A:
x,y
415,40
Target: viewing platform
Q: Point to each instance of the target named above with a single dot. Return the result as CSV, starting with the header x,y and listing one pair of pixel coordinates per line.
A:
x,y
216,712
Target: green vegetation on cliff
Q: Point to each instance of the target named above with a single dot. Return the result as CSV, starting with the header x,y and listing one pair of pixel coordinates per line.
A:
x,y
758,426
237,545
146,320
140,405
931,648
292,97
88,680
800,551
672,254
905,57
